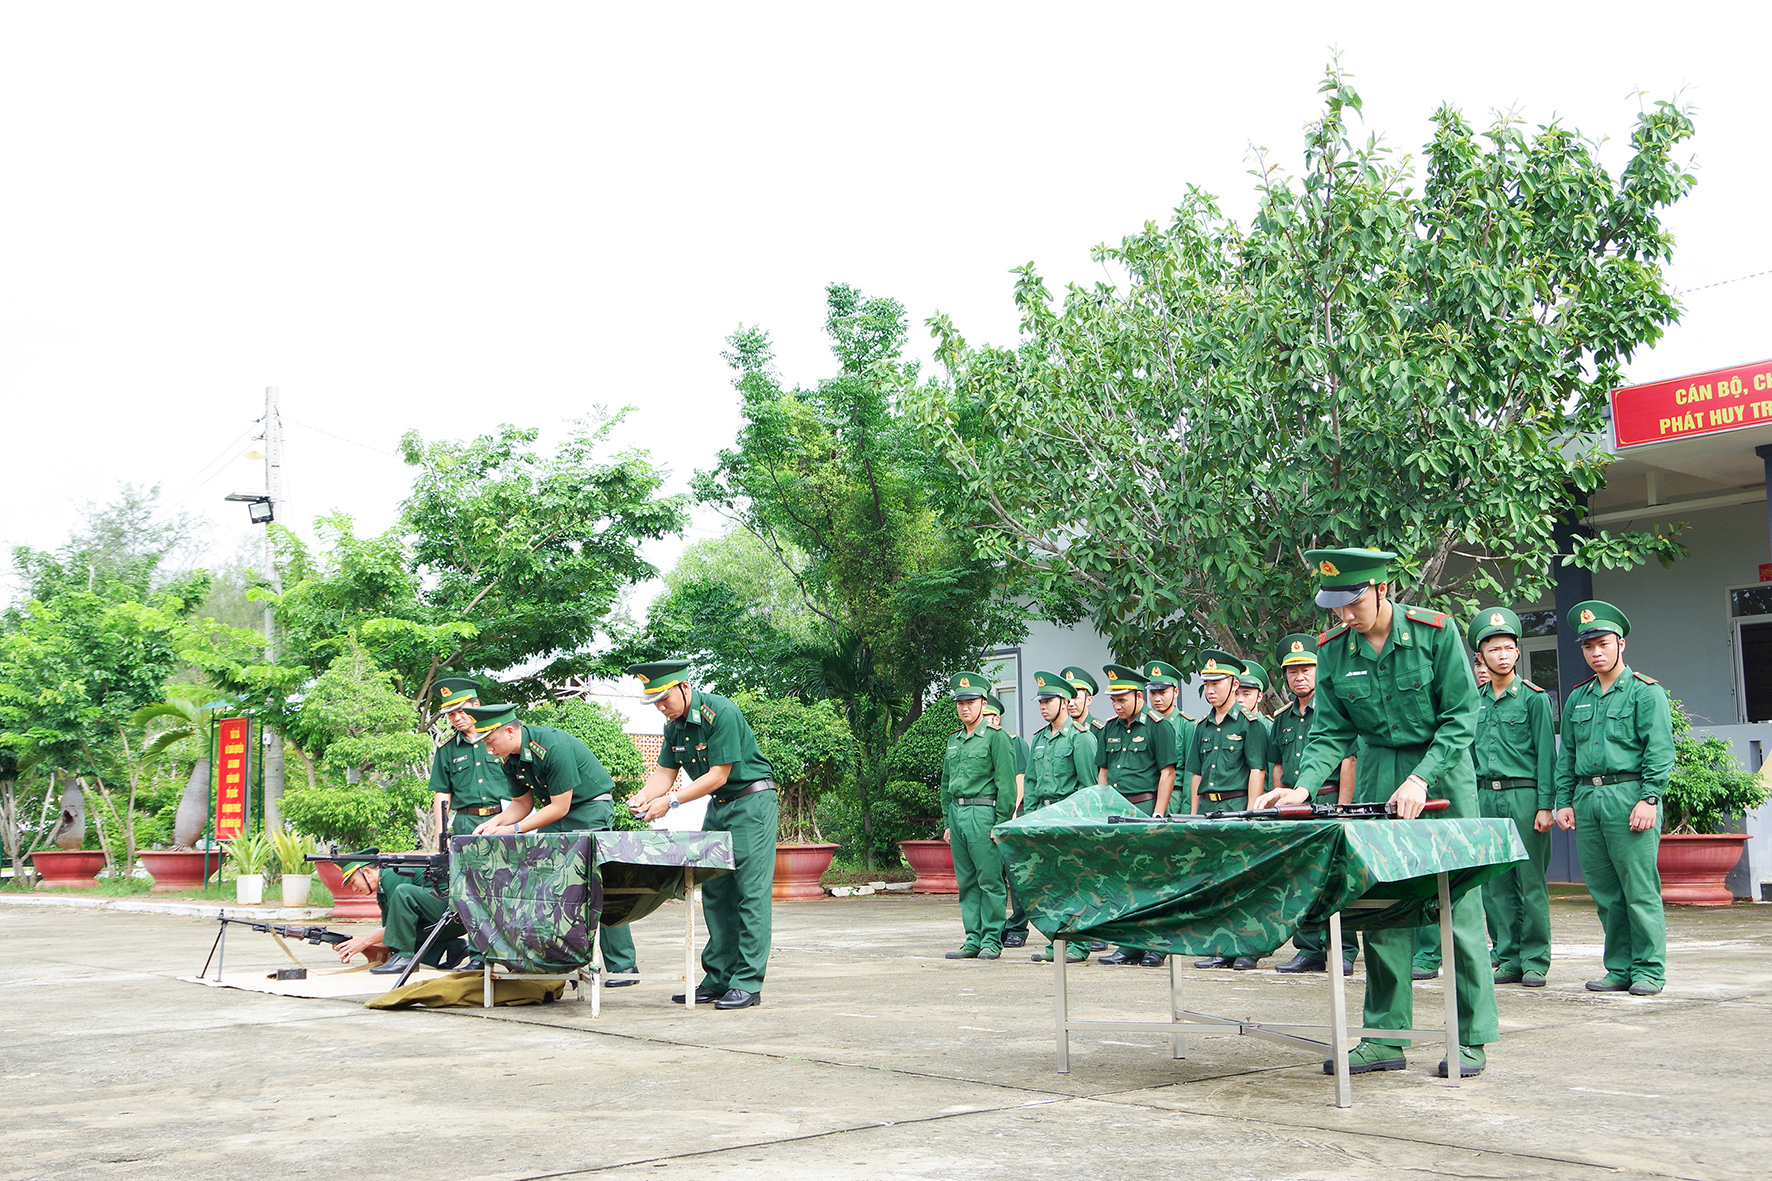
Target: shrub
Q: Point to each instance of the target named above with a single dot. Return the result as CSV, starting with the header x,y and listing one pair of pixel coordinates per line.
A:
x,y
1708,787
359,815
919,752
811,750
905,810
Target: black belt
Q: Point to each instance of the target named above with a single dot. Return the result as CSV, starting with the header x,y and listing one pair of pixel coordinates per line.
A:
x,y
1329,789
747,789
1508,784
1609,777
974,801
1140,797
494,810
1220,796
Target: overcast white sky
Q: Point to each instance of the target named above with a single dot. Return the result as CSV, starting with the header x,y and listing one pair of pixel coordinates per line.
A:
x,y
444,216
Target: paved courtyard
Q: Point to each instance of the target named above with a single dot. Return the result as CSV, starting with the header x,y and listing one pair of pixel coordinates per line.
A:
x,y
871,1057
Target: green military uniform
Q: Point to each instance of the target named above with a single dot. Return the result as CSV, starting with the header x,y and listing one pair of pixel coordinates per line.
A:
x,y
738,906
461,768
1224,751
1618,750
1160,675
977,793
1413,707
1516,756
1015,924
1059,764
1134,753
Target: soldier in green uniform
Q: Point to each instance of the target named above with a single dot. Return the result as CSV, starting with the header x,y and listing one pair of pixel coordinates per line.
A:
x,y
1135,756
709,739
977,794
1397,680
1061,762
1618,750
441,955
1228,760
1251,688
465,778
1162,688
1296,657
1085,688
1015,926
1516,757
556,784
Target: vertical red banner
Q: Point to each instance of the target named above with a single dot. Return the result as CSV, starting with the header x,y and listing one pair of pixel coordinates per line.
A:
x,y
232,736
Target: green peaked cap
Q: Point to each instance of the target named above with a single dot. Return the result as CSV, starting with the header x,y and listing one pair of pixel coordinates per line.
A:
x,y
1162,676
993,704
452,691
1344,574
1252,676
1215,665
1122,679
1081,678
968,684
1297,648
1052,685
658,677
1492,621
1596,617
490,717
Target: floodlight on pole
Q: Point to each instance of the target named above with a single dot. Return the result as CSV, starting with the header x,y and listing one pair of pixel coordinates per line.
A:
x,y
259,508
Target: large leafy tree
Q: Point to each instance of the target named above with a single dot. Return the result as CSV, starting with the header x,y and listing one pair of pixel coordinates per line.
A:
x,y
1366,363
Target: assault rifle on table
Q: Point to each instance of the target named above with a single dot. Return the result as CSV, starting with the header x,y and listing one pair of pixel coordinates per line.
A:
x,y
1384,811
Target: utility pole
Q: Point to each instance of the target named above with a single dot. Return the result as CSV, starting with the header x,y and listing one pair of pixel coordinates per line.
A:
x,y
272,751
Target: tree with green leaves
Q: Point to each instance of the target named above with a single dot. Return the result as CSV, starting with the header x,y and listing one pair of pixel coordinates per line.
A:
x,y
1372,361
835,483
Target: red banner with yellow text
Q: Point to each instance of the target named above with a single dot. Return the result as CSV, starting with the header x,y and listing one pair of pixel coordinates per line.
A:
x,y
232,737
1698,404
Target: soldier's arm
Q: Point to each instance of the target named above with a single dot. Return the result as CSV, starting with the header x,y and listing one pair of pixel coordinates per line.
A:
x,y
1565,793
1083,758
1003,772
1544,748
1454,688
1655,723
1346,793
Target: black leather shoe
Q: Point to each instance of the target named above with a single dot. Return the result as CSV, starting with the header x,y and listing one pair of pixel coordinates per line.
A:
x,y
1302,963
1122,957
1424,974
738,998
392,966
964,953
624,981
1152,959
1214,961
1509,977
1097,945
454,953
1347,967
1014,940
1244,962
703,996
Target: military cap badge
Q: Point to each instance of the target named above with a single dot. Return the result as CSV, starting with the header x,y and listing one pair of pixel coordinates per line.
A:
x,y
1212,666
1298,645
1328,568
965,683
1587,617
1496,620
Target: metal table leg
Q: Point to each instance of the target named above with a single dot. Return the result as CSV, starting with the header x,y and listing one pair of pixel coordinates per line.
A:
x,y
1061,1006
597,970
1454,1059
1338,1047
1179,1047
688,937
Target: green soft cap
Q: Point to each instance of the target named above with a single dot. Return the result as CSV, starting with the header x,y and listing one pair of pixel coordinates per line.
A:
x,y
1297,648
1344,574
1494,621
1596,617
488,718
968,684
1052,685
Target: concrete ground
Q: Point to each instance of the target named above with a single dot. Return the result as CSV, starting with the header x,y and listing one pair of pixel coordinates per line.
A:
x,y
871,1057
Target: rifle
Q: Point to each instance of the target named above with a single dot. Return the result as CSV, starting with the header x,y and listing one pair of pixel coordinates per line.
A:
x,y
430,868
1383,811
314,935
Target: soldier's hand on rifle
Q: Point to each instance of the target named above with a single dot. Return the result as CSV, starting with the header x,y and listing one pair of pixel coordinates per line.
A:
x,y
1280,797
1410,797
360,944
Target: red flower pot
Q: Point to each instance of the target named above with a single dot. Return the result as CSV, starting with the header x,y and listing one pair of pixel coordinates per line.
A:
x,y
348,902
1695,867
797,870
934,863
179,869
68,869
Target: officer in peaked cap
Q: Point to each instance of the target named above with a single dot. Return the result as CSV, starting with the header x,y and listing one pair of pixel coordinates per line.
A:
x,y
1061,762
1516,759
1618,751
1397,680
1227,763
1296,657
1084,688
708,739
977,794
1136,757
463,776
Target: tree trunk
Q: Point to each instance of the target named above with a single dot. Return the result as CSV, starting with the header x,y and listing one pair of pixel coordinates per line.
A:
x,y
273,748
9,821
193,808
70,830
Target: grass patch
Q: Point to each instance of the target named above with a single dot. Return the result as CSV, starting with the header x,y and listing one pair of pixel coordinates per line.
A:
x,y
842,876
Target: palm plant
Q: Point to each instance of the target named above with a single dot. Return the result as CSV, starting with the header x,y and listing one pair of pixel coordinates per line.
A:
x,y
187,720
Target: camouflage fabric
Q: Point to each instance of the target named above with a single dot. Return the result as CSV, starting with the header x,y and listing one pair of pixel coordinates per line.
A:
x,y
1235,887
528,901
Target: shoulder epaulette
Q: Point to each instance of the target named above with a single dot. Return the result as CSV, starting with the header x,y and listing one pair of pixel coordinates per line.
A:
x,y
1330,635
1531,686
958,732
1098,723
1422,615
1589,681
1647,680
707,711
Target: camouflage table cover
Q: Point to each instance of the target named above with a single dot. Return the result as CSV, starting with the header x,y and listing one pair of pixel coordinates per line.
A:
x,y
529,901
1235,887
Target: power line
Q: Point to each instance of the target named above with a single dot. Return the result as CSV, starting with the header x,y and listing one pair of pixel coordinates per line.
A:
x,y
304,426
1722,282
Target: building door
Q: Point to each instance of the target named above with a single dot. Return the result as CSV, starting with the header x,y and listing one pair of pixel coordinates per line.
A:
x,y
1750,611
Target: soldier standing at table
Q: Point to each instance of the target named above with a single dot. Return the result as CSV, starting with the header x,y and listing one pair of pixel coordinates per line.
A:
x,y
1399,679
1062,762
1015,926
464,777
977,794
557,784
1618,750
1135,756
1162,688
707,737
1228,760
1296,657
1515,753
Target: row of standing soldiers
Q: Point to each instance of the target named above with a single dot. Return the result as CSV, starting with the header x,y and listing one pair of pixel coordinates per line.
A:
x,y
1384,707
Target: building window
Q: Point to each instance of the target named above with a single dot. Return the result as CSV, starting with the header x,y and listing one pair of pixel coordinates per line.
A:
x,y
1538,623
1750,600
1750,625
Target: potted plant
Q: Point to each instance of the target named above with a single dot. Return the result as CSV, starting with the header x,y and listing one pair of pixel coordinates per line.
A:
x,y
292,849
250,852
810,749
1708,790
68,866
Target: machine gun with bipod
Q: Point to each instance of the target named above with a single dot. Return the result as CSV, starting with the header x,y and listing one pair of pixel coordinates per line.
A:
x,y
1376,811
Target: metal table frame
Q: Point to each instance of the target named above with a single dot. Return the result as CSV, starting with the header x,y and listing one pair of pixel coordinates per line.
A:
x,y
1340,1035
